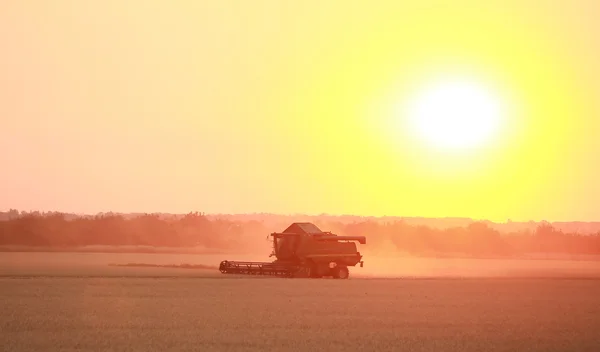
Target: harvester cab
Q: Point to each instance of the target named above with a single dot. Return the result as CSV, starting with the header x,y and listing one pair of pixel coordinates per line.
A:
x,y
303,250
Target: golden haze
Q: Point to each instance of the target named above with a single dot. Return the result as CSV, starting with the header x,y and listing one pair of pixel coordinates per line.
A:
x,y
290,107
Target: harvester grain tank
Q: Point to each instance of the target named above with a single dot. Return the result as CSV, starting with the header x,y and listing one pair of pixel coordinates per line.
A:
x,y
303,250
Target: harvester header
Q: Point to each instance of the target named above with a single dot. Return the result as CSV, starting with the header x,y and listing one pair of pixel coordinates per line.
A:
x,y
303,250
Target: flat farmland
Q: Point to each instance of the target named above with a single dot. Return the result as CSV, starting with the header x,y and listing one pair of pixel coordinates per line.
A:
x,y
50,304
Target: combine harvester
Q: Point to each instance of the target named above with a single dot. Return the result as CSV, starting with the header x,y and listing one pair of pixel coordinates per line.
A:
x,y
303,250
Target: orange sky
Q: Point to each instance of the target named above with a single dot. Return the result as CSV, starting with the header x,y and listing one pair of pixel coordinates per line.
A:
x,y
285,107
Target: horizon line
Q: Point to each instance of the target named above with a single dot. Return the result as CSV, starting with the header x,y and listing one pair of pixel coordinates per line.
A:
x,y
335,215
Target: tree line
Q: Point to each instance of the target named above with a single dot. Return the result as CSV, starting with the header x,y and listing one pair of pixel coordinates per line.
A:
x,y
197,230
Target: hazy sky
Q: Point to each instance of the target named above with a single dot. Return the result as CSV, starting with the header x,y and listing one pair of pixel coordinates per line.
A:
x,y
292,106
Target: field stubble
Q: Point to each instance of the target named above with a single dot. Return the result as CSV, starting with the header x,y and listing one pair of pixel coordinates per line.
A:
x,y
50,304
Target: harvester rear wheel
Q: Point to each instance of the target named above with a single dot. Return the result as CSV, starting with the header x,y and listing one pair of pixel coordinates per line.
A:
x,y
222,267
341,272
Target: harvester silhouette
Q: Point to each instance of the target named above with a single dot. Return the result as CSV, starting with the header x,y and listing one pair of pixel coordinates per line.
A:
x,y
303,250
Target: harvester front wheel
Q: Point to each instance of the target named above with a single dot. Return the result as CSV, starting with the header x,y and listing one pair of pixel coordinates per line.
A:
x,y
341,272
302,272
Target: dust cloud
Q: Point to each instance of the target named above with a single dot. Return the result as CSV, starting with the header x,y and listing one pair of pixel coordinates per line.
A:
x,y
385,265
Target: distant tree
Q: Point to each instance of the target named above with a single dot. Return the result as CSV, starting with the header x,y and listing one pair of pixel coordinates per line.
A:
x,y
230,232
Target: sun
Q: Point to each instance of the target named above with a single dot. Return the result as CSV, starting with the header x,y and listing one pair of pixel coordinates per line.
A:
x,y
455,114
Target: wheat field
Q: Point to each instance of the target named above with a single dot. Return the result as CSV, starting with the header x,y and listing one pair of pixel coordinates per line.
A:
x,y
112,308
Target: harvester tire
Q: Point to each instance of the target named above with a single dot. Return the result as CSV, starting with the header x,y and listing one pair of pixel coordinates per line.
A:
x,y
302,272
316,270
341,272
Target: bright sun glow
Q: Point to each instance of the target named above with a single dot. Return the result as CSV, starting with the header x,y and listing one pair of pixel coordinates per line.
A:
x,y
455,115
